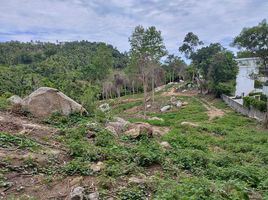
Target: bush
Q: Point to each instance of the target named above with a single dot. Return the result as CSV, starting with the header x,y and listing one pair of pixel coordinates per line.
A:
x,y
258,104
223,88
89,98
257,84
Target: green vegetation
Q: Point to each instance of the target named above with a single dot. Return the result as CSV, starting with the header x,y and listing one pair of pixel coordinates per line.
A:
x,y
9,140
255,103
225,158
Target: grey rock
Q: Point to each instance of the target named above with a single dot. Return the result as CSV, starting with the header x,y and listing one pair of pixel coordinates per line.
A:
x,y
165,108
104,107
77,193
45,101
15,100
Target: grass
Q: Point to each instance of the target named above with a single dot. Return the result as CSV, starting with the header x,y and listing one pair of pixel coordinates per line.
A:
x,y
21,142
223,158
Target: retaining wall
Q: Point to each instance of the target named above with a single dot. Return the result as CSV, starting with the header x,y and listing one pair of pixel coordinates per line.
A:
x,y
252,112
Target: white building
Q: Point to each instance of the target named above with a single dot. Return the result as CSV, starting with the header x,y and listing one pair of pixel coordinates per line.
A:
x,y
244,81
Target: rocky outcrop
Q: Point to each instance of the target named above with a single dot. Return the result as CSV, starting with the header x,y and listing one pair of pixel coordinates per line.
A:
x,y
45,101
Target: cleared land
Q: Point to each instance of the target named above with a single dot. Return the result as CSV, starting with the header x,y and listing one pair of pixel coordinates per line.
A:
x,y
214,153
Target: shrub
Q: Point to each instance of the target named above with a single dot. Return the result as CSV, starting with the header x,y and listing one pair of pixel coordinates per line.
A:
x,y
223,88
258,104
257,84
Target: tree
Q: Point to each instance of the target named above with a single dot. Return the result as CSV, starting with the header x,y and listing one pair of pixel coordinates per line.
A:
x,y
174,66
222,72
190,42
147,47
255,40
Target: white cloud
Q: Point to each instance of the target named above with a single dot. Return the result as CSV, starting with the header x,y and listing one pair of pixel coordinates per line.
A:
x,y
113,21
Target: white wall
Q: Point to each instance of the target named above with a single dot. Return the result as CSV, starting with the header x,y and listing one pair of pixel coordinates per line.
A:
x,y
244,84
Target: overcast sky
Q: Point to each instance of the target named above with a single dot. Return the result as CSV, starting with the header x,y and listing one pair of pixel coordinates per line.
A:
x,y
112,21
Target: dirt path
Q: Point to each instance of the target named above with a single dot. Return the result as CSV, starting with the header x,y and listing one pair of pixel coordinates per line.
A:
x,y
212,111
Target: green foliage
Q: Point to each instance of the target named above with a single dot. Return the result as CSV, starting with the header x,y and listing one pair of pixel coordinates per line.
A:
x,y
68,66
77,167
190,42
252,101
133,193
254,40
9,140
223,88
257,84
3,103
89,97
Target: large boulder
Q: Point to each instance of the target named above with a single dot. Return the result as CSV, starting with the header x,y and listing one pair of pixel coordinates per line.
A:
x,y
45,101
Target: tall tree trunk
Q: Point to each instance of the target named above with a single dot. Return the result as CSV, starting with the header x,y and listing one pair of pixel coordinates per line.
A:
x,y
144,93
153,86
266,118
133,87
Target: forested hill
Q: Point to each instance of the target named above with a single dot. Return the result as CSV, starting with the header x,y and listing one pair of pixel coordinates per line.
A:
x,y
68,66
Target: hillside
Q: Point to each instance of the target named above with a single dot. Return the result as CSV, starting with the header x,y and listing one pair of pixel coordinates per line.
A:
x,y
199,150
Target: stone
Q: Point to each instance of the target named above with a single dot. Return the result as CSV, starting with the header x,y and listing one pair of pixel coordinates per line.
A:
x,y
45,101
93,196
15,100
137,180
104,107
77,193
136,129
189,124
76,181
97,167
119,125
165,108
156,118
159,88
148,106
185,103
166,145
178,104
112,130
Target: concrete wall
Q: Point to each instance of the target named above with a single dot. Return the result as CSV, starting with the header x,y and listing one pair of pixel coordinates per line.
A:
x,y
252,112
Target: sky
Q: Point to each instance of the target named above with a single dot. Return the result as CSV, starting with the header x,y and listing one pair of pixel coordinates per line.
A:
x,y
112,21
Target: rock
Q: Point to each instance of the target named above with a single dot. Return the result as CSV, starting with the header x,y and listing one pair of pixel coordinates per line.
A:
x,y
112,130
148,99
185,103
156,118
189,124
15,100
165,108
159,88
148,106
178,104
104,107
137,180
76,181
97,167
93,196
184,91
139,128
166,145
119,125
77,193
45,101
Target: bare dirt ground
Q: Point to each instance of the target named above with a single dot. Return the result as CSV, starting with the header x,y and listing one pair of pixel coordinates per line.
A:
x,y
212,111
23,168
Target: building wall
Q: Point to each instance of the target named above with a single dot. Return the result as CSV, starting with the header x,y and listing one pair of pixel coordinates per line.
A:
x,y
244,84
